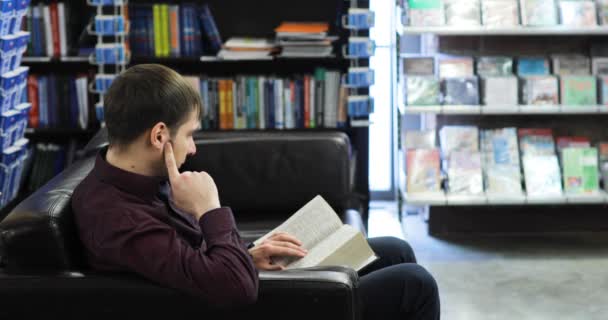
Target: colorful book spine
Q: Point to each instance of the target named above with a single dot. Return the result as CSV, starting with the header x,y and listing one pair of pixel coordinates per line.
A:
x,y
211,31
158,38
174,27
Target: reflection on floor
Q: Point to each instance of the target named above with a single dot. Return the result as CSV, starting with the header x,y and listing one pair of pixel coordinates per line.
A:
x,y
533,277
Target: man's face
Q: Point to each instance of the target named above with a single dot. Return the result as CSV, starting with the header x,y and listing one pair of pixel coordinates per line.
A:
x,y
183,142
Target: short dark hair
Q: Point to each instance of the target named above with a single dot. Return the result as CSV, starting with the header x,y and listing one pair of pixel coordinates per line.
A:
x,y
144,95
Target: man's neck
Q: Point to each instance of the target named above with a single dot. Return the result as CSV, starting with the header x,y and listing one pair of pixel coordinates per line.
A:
x,y
127,160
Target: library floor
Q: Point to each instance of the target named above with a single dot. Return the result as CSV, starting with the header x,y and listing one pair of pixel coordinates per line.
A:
x,y
496,277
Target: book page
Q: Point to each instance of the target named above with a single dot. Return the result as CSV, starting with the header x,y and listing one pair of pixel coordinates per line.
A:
x,y
311,224
354,253
346,247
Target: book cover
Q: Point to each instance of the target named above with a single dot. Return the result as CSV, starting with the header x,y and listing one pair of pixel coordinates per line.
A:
x,y
464,173
454,66
500,13
423,173
423,139
578,90
572,142
499,91
462,13
500,161
452,138
494,66
603,151
542,175
210,30
460,91
533,67
174,28
421,91
540,90
599,65
580,170
425,13
572,64
419,66
538,12
536,141
577,13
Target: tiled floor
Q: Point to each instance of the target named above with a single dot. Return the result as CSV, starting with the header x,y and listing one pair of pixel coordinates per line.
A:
x,y
499,278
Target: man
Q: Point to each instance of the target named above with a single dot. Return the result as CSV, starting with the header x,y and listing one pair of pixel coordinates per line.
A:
x,y
175,232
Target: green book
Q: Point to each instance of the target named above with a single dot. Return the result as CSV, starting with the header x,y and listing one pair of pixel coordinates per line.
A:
x,y
425,4
578,90
164,30
156,20
580,167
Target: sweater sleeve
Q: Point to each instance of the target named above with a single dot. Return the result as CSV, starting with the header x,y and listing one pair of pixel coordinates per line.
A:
x,y
222,274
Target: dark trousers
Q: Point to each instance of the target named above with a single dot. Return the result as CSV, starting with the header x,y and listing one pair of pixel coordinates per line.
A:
x,y
394,286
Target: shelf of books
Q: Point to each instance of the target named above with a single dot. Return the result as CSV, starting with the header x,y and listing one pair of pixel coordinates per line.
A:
x,y
507,31
504,110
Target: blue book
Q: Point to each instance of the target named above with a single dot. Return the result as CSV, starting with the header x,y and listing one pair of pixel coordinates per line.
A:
x,y
298,107
532,66
187,30
148,16
52,101
204,88
252,98
43,101
269,103
198,34
212,34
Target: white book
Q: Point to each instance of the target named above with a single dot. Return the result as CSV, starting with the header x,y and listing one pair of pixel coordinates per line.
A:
x,y
279,104
48,33
261,105
328,241
83,102
63,45
332,83
542,175
289,119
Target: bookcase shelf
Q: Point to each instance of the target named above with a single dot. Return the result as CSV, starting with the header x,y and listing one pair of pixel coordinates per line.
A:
x,y
506,110
442,199
59,133
512,31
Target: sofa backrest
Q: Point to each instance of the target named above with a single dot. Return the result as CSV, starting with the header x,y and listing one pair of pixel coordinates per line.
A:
x,y
261,173
275,172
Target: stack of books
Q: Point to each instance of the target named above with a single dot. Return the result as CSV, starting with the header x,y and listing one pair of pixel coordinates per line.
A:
x,y
304,39
247,49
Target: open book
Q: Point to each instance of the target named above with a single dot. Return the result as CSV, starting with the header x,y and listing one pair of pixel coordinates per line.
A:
x,y
328,241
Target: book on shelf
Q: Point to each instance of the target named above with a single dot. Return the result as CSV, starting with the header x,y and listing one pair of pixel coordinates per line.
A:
x,y
50,30
499,91
464,173
539,90
599,65
603,157
536,141
455,66
460,91
533,66
542,175
419,66
423,173
538,13
58,101
425,13
602,11
501,161
261,102
572,142
422,90
580,170
173,30
328,241
419,139
571,64
500,13
462,13
578,90
304,39
602,82
453,138
489,66
577,13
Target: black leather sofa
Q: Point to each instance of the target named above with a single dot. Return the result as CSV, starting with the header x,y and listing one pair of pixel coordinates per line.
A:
x,y
263,176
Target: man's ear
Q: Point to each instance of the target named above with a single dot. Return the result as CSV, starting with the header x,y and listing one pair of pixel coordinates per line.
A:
x,y
159,135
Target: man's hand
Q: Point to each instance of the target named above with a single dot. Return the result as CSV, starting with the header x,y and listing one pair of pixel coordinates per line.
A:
x,y
192,192
278,245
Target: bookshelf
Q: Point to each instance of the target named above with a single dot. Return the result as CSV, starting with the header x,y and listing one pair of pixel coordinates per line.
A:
x,y
485,212
252,19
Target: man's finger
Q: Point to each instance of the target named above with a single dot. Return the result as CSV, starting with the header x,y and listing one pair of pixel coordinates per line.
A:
x,y
271,267
284,252
282,236
170,162
287,245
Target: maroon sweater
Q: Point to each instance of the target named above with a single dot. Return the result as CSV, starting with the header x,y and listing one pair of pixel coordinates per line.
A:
x,y
127,223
